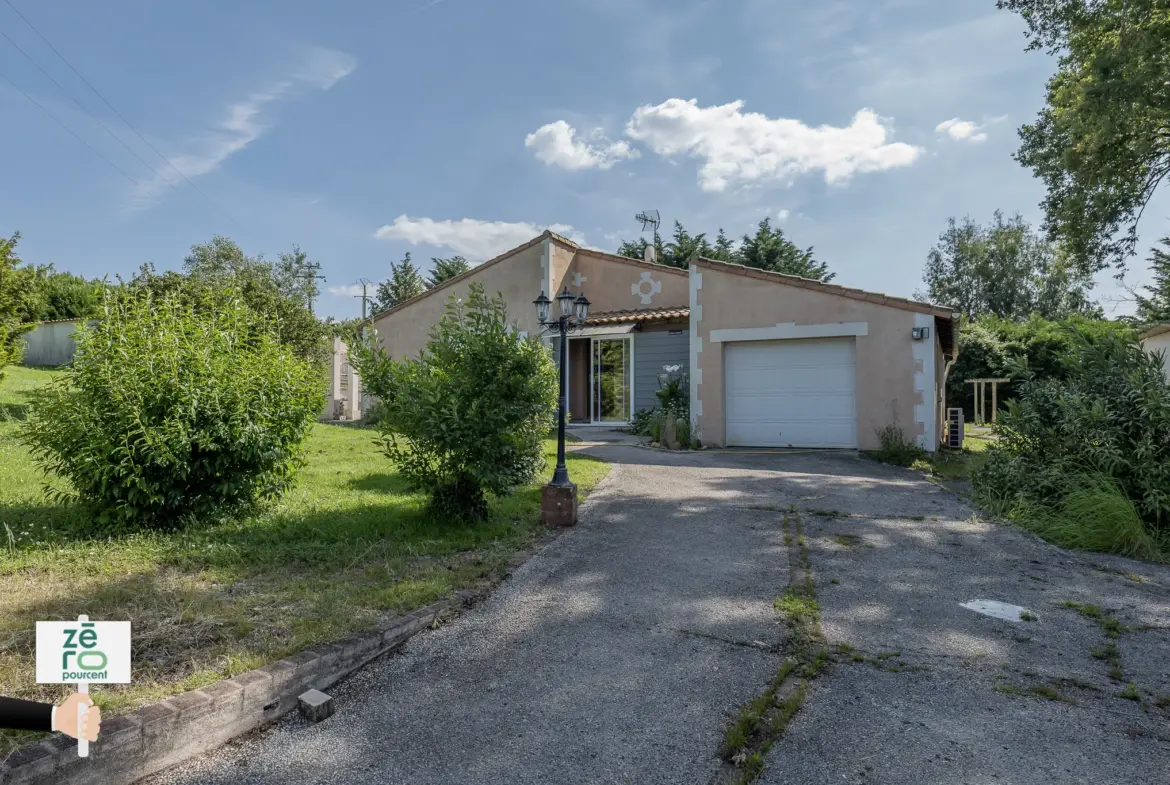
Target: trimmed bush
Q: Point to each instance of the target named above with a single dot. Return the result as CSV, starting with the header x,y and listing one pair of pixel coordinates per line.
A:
x,y
1108,414
469,416
170,412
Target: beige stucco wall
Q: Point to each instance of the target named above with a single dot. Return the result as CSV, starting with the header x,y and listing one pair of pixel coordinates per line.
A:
x,y
403,332
607,283
1159,343
885,362
561,257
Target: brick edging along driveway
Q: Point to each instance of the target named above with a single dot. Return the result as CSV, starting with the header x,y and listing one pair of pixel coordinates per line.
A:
x,y
145,741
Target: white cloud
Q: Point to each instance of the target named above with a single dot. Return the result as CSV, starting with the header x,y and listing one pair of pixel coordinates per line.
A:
x,y
962,130
243,123
469,236
782,215
747,147
324,68
348,290
557,144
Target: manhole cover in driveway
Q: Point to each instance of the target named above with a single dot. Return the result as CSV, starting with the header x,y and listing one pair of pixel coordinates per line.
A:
x,y
996,609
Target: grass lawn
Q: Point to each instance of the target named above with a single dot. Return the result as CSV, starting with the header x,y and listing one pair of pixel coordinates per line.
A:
x,y
346,547
956,466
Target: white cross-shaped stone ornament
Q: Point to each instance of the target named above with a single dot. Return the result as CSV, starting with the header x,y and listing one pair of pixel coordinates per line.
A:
x,y
578,279
646,288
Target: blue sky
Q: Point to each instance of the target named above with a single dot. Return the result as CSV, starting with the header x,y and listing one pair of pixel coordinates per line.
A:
x,y
362,130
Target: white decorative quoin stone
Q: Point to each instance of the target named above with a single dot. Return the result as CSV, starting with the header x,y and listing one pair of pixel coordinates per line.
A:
x,y
646,288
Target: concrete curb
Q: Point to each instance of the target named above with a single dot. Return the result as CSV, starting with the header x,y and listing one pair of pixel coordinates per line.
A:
x,y
143,742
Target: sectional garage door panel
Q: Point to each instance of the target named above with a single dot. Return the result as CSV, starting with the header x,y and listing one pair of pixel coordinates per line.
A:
x,y
796,393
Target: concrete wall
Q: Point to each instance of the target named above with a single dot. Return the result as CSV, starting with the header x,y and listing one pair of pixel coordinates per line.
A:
x,y
344,397
886,393
51,343
654,348
1160,343
613,283
403,331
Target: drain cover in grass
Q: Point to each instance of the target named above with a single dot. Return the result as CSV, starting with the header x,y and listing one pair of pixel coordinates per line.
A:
x,y
996,609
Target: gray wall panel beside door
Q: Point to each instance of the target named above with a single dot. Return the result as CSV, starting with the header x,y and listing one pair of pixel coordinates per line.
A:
x,y
652,350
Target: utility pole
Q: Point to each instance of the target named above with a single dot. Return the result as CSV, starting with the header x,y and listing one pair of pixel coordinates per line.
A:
x,y
364,295
311,277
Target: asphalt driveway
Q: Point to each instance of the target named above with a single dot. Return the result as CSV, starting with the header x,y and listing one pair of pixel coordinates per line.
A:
x,y
620,653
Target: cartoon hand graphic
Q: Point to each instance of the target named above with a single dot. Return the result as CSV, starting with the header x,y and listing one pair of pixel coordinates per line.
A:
x,y
65,718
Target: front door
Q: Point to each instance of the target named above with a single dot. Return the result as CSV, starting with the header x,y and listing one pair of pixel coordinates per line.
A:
x,y
611,383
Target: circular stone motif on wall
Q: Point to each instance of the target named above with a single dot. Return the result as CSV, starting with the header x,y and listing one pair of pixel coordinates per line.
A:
x,y
646,288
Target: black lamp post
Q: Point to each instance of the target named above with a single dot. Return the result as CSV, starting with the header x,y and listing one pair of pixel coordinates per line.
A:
x,y
559,502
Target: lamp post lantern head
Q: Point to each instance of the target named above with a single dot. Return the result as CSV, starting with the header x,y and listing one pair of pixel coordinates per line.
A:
x,y
565,301
581,308
542,304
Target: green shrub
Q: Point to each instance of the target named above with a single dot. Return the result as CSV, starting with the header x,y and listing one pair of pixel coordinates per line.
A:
x,y
17,292
170,412
896,448
991,347
1107,414
470,414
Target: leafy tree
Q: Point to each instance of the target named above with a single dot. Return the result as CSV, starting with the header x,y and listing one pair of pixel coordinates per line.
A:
x,y
295,277
1156,308
468,416
174,408
221,259
62,295
1004,269
637,249
343,328
271,291
445,269
16,287
769,249
991,347
1100,144
678,252
724,248
405,281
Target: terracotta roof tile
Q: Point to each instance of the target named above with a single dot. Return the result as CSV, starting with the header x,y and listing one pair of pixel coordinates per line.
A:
x,y
638,315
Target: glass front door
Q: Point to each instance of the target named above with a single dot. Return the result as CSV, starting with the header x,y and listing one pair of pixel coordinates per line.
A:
x,y
611,380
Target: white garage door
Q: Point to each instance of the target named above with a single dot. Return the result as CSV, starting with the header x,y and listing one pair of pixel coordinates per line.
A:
x,y
796,393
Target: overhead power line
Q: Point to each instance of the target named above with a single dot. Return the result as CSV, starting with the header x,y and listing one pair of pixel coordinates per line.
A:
x,y
55,119
127,123
80,106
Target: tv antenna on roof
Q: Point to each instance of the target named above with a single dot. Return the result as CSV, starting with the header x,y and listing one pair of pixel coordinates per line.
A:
x,y
650,219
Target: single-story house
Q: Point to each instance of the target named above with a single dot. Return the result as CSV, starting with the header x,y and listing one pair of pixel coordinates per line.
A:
x,y
773,360
1157,339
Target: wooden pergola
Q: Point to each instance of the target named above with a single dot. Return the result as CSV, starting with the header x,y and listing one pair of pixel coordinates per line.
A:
x,y
981,398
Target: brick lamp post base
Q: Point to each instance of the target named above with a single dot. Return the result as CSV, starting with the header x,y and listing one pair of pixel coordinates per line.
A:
x,y
558,505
